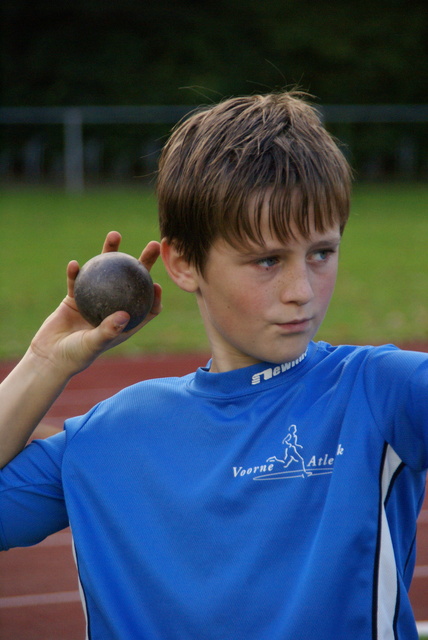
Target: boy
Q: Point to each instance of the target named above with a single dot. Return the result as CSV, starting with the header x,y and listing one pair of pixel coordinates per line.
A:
x,y
272,494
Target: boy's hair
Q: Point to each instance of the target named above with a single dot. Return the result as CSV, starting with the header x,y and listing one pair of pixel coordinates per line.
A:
x,y
222,164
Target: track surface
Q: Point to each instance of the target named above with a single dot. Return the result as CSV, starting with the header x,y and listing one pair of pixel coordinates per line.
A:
x,y
39,598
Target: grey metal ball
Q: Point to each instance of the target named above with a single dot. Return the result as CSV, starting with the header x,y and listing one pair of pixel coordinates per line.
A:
x,y
110,282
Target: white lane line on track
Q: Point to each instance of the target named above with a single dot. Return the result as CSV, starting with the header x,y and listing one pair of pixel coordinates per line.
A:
x,y
61,539
39,599
422,627
421,571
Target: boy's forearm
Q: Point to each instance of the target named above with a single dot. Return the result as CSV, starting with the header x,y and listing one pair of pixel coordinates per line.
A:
x,y
25,396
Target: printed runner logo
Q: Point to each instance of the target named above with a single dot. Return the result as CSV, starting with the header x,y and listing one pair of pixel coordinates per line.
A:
x,y
292,465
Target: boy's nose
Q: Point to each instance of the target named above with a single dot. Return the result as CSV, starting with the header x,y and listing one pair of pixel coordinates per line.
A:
x,y
296,287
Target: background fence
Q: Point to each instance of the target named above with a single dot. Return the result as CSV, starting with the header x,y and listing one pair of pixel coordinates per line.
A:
x,y
75,145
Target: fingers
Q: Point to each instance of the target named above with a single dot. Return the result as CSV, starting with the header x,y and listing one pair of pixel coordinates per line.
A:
x,y
72,271
150,254
112,241
157,301
148,257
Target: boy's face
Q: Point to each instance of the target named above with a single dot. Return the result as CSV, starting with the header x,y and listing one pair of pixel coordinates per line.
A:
x,y
266,302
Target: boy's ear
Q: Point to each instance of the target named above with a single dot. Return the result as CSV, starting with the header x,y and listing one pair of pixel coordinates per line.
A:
x,y
179,269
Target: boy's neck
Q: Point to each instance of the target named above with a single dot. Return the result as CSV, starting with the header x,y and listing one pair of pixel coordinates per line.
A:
x,y
223,365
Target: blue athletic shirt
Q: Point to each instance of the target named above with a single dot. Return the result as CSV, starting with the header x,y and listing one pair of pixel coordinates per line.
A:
x,y
274,502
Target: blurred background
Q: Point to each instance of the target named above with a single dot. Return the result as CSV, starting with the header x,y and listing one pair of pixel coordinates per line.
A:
x,y
365,63
91,90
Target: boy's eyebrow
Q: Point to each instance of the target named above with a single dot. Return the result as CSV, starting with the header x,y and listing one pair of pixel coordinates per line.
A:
x,y
330,240
326,242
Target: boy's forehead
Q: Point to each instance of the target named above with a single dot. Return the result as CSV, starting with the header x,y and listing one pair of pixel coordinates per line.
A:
x,y
273,243
261,220
282,215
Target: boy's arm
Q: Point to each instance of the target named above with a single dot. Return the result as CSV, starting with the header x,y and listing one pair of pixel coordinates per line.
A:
x,y
64,345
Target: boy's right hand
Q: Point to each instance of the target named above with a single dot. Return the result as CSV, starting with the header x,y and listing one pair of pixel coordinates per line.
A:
x,y
64,345
69,343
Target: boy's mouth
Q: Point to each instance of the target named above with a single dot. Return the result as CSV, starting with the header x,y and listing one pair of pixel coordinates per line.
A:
x,y
295,326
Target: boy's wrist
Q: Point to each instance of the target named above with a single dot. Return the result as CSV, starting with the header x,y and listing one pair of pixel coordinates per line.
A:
x,y
46,368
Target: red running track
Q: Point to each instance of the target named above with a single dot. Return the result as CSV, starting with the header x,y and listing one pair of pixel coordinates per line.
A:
x,y
39,597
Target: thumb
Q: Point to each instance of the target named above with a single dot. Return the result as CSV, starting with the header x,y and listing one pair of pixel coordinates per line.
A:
x,y
99,339
119,320
112,326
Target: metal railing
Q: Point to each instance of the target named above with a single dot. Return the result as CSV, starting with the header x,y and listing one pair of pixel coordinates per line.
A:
x,y
74,118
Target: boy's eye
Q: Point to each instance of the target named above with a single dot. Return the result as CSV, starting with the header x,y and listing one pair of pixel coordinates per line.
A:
x,y
267,262
322,255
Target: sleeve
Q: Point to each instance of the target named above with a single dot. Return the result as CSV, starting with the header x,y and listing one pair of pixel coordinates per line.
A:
x,y
31,496
397,388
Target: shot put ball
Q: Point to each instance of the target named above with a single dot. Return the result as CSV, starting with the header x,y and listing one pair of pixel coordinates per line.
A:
x,y
110,282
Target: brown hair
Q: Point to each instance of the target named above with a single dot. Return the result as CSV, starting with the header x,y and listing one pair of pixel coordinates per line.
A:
x,y
222,163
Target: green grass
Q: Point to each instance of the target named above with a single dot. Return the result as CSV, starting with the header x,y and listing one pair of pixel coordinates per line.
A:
x,y
380,294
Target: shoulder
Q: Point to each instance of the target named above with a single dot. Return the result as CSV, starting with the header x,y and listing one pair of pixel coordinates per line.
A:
x,y
385,357
388,364
385,386
375,369
136,404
